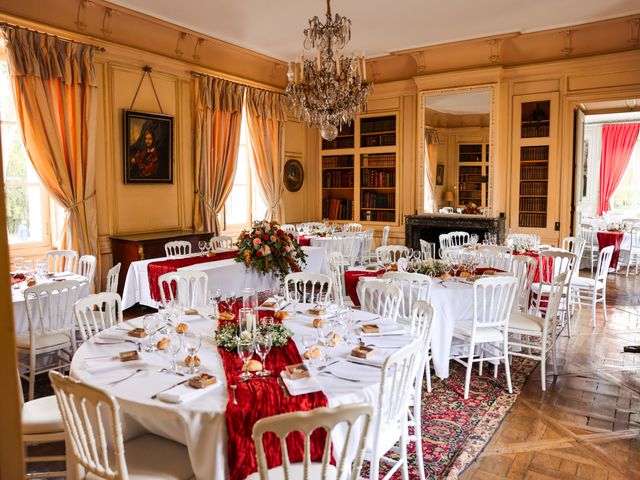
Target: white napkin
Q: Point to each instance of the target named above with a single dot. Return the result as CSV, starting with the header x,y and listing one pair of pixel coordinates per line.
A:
x,y
63,274
115,335
388,343
376,358
98,365
278,304
300,386
185,393
191,317
402,264
384,330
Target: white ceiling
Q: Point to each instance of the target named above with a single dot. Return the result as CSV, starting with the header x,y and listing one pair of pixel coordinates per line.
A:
x,y
274,27
467,103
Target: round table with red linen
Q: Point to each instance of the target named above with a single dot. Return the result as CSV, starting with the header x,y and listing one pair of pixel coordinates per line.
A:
x,y
606,239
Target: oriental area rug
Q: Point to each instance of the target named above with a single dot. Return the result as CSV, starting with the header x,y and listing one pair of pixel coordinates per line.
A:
x,y
455,430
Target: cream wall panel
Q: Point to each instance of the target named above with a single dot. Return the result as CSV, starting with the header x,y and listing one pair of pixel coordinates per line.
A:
x,y
606,80
296,205
377,104
524,88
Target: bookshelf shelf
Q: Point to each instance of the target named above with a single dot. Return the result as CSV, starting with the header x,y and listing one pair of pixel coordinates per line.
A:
x,y
473,167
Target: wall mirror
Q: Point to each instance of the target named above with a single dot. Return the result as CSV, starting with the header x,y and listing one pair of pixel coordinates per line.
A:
x,y
456,162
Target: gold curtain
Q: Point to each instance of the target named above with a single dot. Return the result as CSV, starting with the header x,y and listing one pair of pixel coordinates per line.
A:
x,y
56,100
266,117
218,119
431,142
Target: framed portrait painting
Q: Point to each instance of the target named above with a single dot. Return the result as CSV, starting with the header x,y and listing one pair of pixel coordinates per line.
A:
x,y
440,174
148,147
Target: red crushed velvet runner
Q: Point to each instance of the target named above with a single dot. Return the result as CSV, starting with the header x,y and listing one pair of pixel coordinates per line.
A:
x,y
304,241
606,239
351,279
156,269
263,398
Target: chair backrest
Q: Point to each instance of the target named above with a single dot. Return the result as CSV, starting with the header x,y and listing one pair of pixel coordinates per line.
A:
x,y
191,288
457,239
444,241
523,268
381,298
414,287
574,245
62,260
392,252
288,227
177,247
352,227
336,263
523,240
312,226
588,234
385,235
427,249
635,238
553,303
50,307
112,278
347,243
306,286
87,267
221,241
493,299
92,422
357,418
366,238
560,261
95,313
604,261
495,256
422,314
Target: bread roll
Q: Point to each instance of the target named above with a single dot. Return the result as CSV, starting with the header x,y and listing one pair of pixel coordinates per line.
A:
x,y
252,366
196,361
281,315
182,328
313,352
162,343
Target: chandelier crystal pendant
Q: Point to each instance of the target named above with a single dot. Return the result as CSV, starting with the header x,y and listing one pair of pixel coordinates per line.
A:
x,y
332,89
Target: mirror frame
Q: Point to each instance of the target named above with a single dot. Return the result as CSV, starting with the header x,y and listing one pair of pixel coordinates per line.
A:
x,y
422,97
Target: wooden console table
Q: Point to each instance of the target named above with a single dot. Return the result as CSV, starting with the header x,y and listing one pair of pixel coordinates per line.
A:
x,y
130,248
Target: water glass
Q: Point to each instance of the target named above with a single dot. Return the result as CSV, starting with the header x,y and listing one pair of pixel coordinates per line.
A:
x,y
246,321
263,343
202,245
174,347
192,343
245,352
150,325
18,263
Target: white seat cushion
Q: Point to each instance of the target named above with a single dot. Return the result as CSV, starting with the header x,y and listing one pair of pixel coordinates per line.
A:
x,y
44,341
463,329
585,282
525,323
296,470
150,457
41,416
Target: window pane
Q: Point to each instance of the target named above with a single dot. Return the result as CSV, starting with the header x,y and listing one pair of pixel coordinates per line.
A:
x,y
24,214
627,195
237,206
14,155
242,170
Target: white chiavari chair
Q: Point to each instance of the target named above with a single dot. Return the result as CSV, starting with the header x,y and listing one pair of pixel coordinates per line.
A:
x,y
414,287
495,256
444,241
427,249
588,234
98,312
352,227
348,245
493,299
87,267
380,298
306,287
591,291
458,239
390,422
393,252
112,278
92,422
191,288
366,253
531,332
62,260
288,227
574,245
177,248
631,254
51,330
337,264
385,235
357,418
314,226
523,268
221,241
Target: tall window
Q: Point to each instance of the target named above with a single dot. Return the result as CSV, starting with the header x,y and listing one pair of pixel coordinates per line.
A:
x,y
627,195
26,198
245,203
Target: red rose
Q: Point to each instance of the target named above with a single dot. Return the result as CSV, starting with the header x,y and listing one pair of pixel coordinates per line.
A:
x,y
265,237
280,232
246,235
259,253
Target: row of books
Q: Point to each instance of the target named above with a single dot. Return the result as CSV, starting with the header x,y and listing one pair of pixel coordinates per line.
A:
x,y
383,140
470,170
378,200
377,216
379,160
533,220
533,188
338,142
337,161
533,172
377,124
533,204
337,209
337,179
377,178
470,186
534,153
534,131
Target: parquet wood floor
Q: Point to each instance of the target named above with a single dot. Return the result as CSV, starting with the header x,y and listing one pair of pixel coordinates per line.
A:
x,y
587,424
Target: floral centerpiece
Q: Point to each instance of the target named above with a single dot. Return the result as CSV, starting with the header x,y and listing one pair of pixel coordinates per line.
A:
x,y
471,209
432,268
269,249
617,227
227,335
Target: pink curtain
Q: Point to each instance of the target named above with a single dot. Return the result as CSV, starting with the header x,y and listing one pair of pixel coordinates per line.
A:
x,y
617,144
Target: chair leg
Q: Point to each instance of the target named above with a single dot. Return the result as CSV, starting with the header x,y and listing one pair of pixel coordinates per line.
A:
x,y
507,368
403,454
427,373
553,354
481,362
604,304
32,374
543,367
495,369
374,466
417,430
467,380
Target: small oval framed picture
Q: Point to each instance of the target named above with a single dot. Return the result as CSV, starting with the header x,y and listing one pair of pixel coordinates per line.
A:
x,y
293,175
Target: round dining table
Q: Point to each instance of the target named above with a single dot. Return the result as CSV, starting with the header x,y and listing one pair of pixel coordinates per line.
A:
x,y
200,423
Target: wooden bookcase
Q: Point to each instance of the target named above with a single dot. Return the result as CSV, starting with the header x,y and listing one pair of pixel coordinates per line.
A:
x,y
473,171
360,171
534,155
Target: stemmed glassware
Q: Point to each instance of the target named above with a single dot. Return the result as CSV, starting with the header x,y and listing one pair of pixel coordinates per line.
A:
x,y
192,343
246,348
150,325
19,264
473,239
263,343
174,347
202,245
28,266
309,342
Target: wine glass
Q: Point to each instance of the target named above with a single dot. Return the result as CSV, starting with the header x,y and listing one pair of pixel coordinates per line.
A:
x,y
18,262
202,245
263,342
28,266
309,342
150,324
174,347
245,352
40,268
192,343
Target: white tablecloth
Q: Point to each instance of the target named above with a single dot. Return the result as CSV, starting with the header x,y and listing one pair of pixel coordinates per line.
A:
x,y
227,275
350,246
19,308
200,423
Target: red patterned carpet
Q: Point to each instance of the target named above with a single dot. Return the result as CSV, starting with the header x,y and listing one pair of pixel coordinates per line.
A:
x,y
455,430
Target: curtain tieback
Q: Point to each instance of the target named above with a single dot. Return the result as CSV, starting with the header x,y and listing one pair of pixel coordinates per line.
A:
x,y
208,203
75,205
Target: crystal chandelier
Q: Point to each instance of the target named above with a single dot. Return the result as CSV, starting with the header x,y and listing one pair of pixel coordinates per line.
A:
x,y
332,89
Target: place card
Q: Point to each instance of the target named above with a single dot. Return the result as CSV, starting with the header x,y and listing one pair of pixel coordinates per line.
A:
x,y
362,352
129,356
137,332
297,371
202,381
317,312
370,328
226,316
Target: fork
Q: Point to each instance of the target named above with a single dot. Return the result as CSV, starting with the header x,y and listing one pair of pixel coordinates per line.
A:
x,y
137,371
322,367
327,372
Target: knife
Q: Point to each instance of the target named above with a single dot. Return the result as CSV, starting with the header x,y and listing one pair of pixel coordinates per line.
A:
x,y
155,395
283,387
